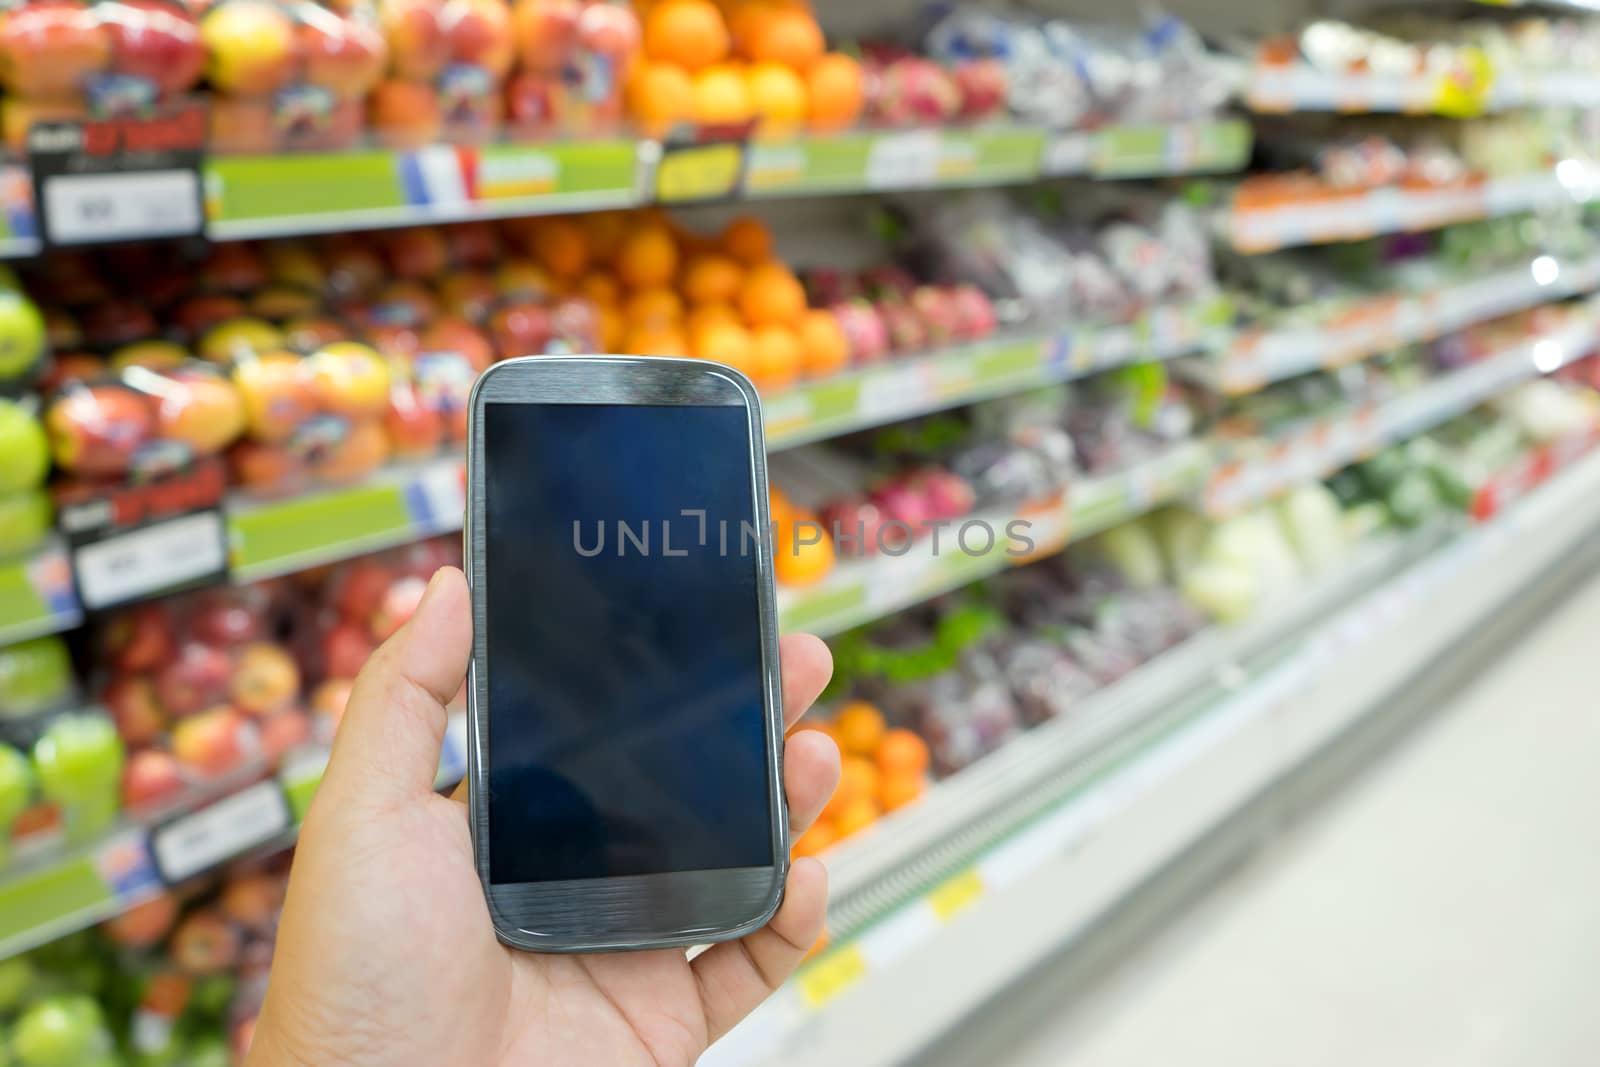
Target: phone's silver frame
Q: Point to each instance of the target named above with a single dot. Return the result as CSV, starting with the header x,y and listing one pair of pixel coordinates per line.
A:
x,y
643,911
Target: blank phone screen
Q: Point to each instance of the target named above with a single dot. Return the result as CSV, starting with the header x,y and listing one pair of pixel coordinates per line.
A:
x,y
627,734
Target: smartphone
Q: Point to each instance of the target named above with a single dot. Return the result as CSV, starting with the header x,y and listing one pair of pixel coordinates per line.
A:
x,y
624,698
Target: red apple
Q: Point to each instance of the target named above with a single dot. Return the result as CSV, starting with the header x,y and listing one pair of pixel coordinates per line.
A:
x,y
414,428
346,649
155,40
140,719
479,33
253,900
418,48
913,91
546,33
905,502
343,55
418,253
49,48
329,699
610,30
139,639
152,779
521,329
975,315
197,678
399,604
116,322
205,943
460,337
358,590
983,84
143,925
267,469
283,731
227,621
96,429
214,742
265,679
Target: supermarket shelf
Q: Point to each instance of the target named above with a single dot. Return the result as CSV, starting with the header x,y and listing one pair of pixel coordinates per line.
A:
x,y
964,374
1356,216
37,595
278,195
859,591
1281,90
1251,359
61,894
397,506
1326,445
1114,818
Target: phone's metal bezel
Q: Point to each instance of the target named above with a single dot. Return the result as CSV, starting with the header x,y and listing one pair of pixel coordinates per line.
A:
x,y
646,911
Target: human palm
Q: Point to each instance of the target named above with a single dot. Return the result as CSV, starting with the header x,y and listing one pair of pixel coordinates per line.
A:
x,y
386,955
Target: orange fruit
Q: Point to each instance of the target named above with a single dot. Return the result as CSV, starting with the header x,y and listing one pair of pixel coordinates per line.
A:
x,y
799,564
654,340
659,95
772,296
860,727
748,240
902,754
721,96
561,247
690,33
898,790
659,306
648,257
785,35
613,327
778,96
814,840
824,349
775,351
600,288
704,315
858,777
711,278
605,230
856,816
722,342
834,92
778,505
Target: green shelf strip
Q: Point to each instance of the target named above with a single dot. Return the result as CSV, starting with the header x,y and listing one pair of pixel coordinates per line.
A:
x,y
22,609
275,538
51,895
253,188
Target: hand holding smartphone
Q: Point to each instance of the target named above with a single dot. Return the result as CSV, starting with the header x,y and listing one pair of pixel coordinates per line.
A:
x,y
624,694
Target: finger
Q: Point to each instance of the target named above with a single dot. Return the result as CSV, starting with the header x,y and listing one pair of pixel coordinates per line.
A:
x,y
810,775
807,666
736,976
393,727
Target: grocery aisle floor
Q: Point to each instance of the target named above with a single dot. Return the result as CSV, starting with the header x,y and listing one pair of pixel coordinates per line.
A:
x,y
1442,909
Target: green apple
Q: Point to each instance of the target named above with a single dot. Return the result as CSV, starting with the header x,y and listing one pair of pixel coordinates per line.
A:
x,y
16,792
34,676
22,335
79,760
207,1052
25,518
25,447
16,978
60,1032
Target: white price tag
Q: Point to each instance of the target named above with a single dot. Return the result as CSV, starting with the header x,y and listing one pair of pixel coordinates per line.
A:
x,y
90,208
904,160
230,827
1068,153
892,390
151,559
442,493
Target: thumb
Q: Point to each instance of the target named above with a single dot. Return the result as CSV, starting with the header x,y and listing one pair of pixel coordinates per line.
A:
x,y
389,738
